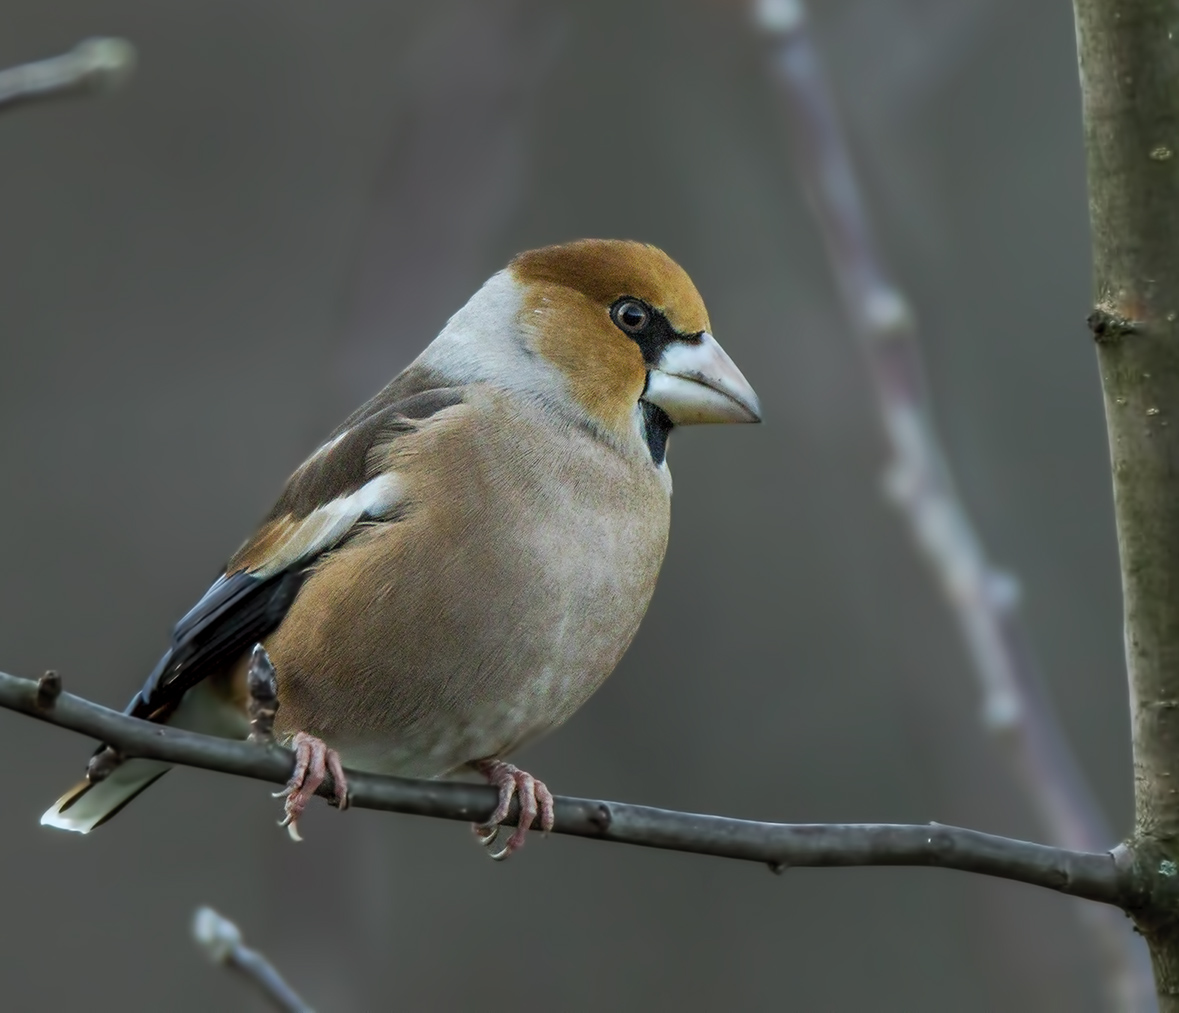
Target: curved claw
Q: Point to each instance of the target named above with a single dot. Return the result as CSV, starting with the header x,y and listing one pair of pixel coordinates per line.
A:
x,y
313,760
485,835
535,800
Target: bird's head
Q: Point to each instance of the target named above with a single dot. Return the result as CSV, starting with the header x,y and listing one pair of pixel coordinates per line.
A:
x,y
625,325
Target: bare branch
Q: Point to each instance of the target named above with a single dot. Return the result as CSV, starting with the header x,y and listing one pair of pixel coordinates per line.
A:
x,y
919,480
222,942
92,67
1094,876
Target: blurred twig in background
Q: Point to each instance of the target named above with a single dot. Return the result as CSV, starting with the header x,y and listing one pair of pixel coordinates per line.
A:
x,y
222,942
92,67
920,482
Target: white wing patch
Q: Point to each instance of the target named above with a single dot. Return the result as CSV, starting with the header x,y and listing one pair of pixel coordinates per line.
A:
x,y
326,525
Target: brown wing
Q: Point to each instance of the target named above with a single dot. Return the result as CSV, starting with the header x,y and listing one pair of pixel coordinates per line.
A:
x,y
341,466
336,488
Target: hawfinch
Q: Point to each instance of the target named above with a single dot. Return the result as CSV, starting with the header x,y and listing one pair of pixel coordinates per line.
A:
x,y
464,561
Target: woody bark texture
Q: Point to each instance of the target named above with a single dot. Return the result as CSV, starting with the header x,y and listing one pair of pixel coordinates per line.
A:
x,y
1129,62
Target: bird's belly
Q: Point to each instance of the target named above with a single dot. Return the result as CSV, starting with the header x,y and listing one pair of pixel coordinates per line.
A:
x,y
471,656
486,698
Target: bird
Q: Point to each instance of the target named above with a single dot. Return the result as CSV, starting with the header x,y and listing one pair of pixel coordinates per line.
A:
x,y
466,558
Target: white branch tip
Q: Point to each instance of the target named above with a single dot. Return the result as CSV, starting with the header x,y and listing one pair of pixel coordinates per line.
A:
x,y
106,63
778,16
215,934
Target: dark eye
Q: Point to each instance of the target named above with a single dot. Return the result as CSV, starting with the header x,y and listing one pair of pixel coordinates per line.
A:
x,y
631,315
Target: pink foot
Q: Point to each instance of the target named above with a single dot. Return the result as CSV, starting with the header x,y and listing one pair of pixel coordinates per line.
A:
x,y
313,760
534,797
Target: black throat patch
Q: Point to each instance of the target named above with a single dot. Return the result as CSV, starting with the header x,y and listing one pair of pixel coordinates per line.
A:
x,y
656,427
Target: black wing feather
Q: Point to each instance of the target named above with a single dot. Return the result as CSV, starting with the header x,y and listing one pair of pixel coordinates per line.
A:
x,y
237,612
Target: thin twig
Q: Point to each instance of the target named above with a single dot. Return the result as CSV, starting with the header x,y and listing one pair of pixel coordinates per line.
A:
x,y
919,480
1099,876
222,942
92,67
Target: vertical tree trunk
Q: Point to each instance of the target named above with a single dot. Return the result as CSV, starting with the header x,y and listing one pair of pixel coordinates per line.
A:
x,y
1129,62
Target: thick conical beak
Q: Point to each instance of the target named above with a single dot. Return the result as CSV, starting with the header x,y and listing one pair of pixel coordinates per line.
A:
x,y
695,381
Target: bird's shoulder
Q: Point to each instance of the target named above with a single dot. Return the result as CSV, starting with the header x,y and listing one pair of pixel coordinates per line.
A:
x,y
348,479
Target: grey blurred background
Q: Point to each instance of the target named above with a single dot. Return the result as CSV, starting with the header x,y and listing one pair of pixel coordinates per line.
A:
x,y
200,276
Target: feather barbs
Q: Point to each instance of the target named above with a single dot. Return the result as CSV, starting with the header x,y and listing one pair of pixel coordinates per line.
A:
x,y
287,541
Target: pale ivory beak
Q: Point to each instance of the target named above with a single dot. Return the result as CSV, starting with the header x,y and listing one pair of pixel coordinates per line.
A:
x,y
697,382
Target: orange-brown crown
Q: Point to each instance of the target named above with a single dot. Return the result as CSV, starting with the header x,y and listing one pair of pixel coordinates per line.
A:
x,y
569,290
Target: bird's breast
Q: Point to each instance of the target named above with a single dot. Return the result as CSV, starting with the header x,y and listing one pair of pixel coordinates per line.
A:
x,y
491,612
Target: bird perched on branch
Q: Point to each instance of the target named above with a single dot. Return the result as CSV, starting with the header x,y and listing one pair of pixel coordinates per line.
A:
x,y
464,561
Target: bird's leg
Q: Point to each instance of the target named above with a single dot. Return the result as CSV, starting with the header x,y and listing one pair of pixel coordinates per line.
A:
x,y
535,798
313,760
262,686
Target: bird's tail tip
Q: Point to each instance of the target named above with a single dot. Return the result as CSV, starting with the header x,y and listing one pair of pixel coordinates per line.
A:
x,y
57,814
88,805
